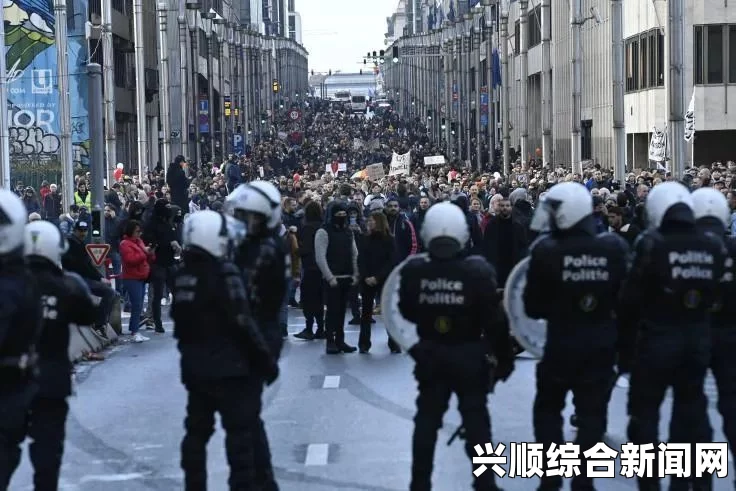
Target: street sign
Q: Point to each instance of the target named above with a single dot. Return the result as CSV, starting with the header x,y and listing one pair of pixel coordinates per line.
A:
x,y
97,252
295,115
238,144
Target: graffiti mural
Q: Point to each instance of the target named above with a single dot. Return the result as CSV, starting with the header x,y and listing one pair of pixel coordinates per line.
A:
x,y
33,96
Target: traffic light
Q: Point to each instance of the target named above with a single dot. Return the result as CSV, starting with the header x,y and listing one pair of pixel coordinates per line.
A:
x,y
364,61
275,86
368,54
453,127
429,115
361,71
374,54
395,53
313,73
330,73
444,124
381,53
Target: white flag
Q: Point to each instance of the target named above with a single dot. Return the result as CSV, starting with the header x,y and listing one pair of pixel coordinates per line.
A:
x,y
690,120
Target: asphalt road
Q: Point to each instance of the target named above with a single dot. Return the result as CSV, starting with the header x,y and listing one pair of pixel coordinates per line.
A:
x,y
334,422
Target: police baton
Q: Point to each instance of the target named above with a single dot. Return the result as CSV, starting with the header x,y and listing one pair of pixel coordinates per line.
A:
x,y
459,433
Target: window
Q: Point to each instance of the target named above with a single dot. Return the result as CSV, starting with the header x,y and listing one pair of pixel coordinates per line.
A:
x,y
586,139
119,5
644,61
732,54
714,70
517,38
535,27
635,64
660,59
291,6
714,54
120,68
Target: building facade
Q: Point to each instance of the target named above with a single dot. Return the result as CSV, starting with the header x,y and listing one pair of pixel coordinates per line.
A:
x,y
221,94
709,71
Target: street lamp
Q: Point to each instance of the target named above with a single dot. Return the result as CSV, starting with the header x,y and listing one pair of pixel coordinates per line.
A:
x,y
220,29
193,19
207,19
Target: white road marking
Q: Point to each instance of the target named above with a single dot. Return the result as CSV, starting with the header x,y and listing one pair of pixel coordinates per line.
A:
x,y
331,382
317,454
112,477
146,446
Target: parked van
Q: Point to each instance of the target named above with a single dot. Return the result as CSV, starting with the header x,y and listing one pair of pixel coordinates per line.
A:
x,y
343,97
358,103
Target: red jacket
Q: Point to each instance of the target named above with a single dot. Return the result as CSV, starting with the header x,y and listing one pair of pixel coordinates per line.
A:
x,y
135,259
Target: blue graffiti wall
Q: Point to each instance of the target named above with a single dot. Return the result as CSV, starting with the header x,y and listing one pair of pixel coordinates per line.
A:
x,y
33,95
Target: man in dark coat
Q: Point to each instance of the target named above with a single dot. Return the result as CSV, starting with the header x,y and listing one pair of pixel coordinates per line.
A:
x,y
505,241
178,183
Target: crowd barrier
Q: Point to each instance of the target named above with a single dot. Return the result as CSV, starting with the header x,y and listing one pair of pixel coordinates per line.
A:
x,y
83,341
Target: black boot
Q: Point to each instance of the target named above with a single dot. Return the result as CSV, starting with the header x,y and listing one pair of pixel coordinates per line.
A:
x,y
331,347
306,334
364,339
320,334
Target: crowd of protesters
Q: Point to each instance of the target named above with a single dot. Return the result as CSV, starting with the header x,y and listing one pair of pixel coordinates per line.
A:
x,y
382,217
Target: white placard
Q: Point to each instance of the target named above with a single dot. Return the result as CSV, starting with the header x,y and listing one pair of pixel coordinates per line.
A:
x,y
341,167
436,160
375,172
400,164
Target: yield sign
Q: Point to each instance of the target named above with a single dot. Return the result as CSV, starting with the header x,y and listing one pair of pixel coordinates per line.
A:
x,y
97,252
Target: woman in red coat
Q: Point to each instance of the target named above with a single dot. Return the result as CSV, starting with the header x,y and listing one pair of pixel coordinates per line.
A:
x,y
135,257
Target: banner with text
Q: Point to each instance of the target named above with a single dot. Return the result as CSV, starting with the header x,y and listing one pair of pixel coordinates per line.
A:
x,y
658,145
400,164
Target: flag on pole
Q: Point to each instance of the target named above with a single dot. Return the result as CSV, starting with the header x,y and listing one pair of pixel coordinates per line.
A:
x,y
496,68
690,120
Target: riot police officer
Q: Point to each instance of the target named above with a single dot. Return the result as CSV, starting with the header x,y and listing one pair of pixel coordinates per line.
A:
x,y
713,215
224,365
452,299
20,328
262,255
266,269
664,318
573,280
65,299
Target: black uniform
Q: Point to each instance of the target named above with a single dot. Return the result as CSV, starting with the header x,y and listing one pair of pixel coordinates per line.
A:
x,y
723,338
66,299
266,270
573,281
665,304
224,360
454,304
20,328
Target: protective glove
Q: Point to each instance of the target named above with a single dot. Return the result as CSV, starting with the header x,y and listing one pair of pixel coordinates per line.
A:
x,y
271,373
504,369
